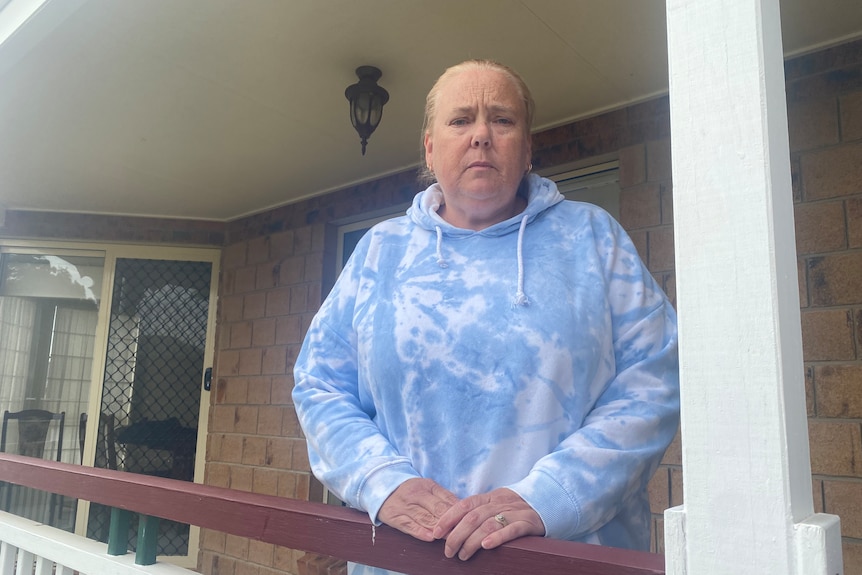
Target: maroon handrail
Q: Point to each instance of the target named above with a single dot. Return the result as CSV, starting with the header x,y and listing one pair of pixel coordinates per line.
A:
x,y
315,527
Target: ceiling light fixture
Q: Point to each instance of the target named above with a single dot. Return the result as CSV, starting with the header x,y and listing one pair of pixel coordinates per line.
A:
x,y
366,102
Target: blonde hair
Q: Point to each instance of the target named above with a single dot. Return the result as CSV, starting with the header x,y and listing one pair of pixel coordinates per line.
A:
x,y
425,175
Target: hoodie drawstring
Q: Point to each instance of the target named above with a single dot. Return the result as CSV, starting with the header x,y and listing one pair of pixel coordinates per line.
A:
x,y
440,261
520,297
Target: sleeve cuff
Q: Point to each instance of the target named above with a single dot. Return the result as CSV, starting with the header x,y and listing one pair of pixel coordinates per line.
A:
x,y
559,511
380,483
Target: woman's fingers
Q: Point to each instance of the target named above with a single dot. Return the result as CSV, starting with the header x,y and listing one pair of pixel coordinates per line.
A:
x,y
415,507
487,521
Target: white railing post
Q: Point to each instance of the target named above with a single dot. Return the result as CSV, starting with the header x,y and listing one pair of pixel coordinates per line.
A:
x,y
748,504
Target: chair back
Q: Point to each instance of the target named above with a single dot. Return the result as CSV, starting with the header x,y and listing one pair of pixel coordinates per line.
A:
x,y
33,425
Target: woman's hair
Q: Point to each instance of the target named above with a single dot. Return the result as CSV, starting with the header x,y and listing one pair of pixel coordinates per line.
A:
x,y
425,175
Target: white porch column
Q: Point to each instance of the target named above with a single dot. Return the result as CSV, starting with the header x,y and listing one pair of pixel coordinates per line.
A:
x,y
748,503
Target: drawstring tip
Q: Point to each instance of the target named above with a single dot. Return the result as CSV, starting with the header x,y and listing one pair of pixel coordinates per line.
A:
x,y
442,263
521,300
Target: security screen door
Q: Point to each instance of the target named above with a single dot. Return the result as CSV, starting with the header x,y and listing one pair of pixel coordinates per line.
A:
x,y
151,388
117,338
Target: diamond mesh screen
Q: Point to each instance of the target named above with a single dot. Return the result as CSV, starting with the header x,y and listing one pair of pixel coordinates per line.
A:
x,y
151,393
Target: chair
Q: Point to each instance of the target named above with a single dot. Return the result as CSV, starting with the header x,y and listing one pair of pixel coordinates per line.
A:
x,y
33,425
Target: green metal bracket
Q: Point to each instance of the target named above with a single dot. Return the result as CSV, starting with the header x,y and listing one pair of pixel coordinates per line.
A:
x,y
118,536
148,539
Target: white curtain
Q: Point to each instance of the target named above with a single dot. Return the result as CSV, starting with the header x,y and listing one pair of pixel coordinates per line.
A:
x,y
17,321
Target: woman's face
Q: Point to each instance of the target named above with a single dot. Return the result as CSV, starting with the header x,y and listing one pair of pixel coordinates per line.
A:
x,y
478,147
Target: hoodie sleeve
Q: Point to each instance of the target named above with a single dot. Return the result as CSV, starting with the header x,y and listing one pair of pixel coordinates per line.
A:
x,y
604,467
346,449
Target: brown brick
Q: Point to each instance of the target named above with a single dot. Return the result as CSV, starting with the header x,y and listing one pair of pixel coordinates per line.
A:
x,y
254,451
230,308
259,390
827,336
304,482
657,535
236,391
313,269
254,305
245,419
812,123
659,490
279,453
263,332
658,166
669,288
852,551
641,242
213,540
240,334
273,360
677,492
817,494
233,256
223,418
265,481
832,173
228,363
661,251
245,279
291,271
299,299
838,390
214,564
231,449
269,420
632,166
836,279
803,283
854,223
673,455
640,206
260,552
217,475
258,250
289,423
243,568
241,478
282,387
844,498
851,120
281,245
836,448
810,407
300,455
236,546
267,275
250,361
278,302
302,240
820,227
667,204
288,329
287,485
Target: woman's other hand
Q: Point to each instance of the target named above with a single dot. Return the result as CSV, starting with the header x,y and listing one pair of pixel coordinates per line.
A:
x,y
416,506
486,521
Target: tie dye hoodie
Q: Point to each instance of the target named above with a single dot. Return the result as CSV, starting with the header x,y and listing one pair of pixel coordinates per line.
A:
x,y
537,354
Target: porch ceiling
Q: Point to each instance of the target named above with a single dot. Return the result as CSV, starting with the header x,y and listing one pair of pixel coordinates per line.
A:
x,y
219,108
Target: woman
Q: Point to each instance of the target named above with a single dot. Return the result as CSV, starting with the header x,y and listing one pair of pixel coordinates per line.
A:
x,y
498,362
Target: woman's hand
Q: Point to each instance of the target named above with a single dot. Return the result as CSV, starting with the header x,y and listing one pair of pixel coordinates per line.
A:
x,y
416,506
486,521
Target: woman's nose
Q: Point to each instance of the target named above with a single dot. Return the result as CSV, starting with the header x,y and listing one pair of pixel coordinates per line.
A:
x,y
481,136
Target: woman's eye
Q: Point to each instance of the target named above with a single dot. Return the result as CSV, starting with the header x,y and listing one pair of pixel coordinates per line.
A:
x,y
458,122
506,121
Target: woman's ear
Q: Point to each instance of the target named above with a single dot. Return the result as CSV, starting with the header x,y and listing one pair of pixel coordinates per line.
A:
x,y
427,141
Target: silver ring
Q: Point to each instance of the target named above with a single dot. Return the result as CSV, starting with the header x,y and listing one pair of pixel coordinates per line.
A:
x,y
501,519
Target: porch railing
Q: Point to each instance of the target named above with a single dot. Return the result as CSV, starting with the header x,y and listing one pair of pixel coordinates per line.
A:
x,y
315,527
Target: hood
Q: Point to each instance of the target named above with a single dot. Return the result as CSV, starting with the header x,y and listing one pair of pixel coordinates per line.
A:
x,y
541,194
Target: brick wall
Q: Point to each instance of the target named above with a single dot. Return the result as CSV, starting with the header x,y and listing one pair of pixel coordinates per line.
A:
x,y
824,98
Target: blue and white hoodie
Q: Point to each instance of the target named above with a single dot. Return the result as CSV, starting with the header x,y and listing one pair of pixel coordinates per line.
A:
x,y
537,354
